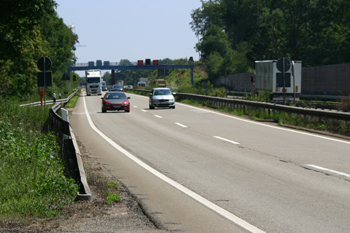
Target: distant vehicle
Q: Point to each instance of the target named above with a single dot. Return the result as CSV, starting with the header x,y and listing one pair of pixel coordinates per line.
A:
x,y
141,84
115,101
130,87
116,88
104,88
161,83
161,97
93,82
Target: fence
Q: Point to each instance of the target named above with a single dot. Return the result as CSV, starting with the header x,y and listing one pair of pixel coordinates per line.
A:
x,y
69,156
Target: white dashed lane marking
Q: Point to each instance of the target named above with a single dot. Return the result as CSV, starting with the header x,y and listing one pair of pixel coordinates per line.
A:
x,y
328,170
224,139
184,126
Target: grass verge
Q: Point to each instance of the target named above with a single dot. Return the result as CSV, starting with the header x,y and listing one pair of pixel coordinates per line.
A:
x,y
73,100
32,180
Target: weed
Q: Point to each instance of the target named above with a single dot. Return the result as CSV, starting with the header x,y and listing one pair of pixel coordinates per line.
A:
x,y
111,197
263,96
113,184
344,104
73,100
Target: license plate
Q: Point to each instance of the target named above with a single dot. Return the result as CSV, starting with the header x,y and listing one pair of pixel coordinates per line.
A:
x,y
117,107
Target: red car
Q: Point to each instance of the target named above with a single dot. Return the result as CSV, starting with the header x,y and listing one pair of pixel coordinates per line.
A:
x,y
115,100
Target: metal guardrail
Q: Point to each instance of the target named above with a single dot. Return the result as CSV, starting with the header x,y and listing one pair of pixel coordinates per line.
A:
x,y
244,105
51,101
70,158
307,96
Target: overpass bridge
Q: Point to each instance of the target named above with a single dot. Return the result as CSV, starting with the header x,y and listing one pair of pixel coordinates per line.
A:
x,y
139,65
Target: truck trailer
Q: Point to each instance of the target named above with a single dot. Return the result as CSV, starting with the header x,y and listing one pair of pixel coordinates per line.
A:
x,y
93,82
269,79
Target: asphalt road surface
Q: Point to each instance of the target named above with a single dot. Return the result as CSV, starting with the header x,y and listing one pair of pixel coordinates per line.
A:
x,y
197,170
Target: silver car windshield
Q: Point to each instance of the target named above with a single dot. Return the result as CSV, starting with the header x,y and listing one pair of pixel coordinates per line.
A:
x,y
115,96
162,92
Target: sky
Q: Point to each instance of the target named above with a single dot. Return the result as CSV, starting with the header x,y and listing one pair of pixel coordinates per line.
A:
x,y
111,30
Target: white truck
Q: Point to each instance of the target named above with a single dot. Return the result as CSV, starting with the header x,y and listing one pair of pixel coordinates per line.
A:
x,y
269,79
93,82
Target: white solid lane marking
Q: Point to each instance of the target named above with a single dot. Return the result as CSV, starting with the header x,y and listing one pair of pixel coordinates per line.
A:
x,y
224,139
329,170
135,106
270,126
158,116
181,125
233,218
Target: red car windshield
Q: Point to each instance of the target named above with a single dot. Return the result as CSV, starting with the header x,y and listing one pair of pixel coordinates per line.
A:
x,y
115,96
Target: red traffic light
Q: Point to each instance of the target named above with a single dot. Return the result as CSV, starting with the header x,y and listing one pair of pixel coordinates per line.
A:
x,y
140,62
155,62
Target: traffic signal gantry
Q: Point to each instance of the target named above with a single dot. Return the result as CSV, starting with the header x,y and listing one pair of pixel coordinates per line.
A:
x,y
139,65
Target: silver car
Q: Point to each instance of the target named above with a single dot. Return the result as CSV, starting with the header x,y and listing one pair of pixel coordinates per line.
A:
x,y
161,97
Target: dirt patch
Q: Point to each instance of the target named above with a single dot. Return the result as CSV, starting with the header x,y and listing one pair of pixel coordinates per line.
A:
x,y
124,215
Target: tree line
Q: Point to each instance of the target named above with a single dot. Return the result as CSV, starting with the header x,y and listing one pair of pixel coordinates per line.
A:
x,y
235,33
30,29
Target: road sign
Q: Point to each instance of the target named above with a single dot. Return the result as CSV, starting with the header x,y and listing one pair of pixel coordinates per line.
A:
x,y
155,62
48,79
279,64
44,61
65,77
148,62
140,62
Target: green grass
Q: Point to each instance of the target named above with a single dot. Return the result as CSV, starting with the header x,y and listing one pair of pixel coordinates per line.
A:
x,y
73,100
110,190
32,176
111,197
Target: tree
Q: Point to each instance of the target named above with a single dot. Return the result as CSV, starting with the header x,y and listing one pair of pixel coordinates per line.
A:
x,y
204,17
213,65
60,41
30,29
214,40
316,32
17,21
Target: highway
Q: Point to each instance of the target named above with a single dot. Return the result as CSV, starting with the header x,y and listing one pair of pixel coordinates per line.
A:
x,y
197,170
